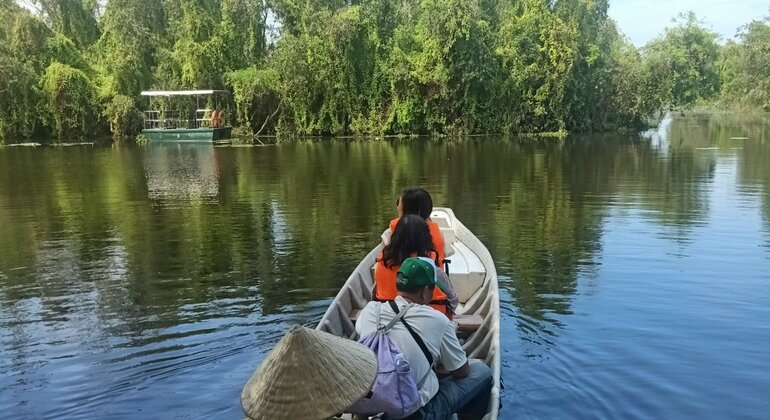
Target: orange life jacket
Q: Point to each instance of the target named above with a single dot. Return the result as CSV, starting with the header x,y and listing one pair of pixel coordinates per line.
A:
x,y
435,236
385,288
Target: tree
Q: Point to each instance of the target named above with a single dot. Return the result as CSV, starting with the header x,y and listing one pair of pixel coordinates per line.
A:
x,y
75,19
538,50
131,31
680,67
745,67
242,30
445,72
24,42
333,67
19,98
71,99
257,98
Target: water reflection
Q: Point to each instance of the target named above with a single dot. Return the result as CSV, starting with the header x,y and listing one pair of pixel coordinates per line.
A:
x,y
181,171
128,272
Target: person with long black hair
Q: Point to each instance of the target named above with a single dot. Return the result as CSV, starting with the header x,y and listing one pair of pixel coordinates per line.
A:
x,y
411,238
415,200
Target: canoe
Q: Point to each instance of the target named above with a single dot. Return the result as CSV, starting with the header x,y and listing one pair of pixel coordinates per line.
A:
x,y
474,277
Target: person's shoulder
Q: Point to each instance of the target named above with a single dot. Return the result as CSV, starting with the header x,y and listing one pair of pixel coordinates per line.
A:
x,y
372,306
368,317
435,316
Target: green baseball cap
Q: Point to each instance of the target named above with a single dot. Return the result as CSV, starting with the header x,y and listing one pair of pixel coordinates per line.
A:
x,y
418,272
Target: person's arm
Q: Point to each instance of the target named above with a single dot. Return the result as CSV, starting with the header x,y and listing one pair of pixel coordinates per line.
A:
x,y
462,372
449,290
452,355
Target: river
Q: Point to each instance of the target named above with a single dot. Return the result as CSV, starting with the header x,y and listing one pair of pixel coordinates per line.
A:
x,y
150,281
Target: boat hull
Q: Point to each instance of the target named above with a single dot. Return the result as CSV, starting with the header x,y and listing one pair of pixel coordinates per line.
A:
x,y
192,135
470,257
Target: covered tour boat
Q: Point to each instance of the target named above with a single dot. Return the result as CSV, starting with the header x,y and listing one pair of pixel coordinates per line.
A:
x,y
188,116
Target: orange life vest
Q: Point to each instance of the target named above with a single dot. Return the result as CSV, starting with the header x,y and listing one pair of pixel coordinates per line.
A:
x,y
435,236
385,288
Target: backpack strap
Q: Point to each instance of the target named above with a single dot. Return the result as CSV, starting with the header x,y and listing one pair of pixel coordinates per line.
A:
x,y
398,317
416,336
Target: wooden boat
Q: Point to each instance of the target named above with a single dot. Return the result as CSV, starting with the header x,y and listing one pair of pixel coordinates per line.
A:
x,y
474,278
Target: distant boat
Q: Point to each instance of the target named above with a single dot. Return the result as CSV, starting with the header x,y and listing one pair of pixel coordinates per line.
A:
x,y
201,115
474,278
739,138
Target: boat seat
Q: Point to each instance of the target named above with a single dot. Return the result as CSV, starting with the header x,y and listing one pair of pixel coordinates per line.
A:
x,y
465,323
466,272
468,323
449,235
444,223
441,219
449,250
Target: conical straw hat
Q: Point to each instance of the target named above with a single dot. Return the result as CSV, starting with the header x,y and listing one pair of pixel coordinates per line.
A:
x,y
309,375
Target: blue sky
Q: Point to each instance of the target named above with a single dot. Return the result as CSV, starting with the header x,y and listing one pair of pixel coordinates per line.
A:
x,y
643,20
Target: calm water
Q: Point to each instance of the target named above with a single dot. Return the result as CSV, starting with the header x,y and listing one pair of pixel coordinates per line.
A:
x,y
634,273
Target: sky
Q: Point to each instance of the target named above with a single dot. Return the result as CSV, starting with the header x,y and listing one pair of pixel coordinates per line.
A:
x,y
643,20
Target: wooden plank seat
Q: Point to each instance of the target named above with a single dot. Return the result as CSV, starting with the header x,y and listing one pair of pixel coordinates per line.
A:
x,y
468,323
465,323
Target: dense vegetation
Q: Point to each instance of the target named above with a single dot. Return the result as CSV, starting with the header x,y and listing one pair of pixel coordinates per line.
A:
x,y
72,68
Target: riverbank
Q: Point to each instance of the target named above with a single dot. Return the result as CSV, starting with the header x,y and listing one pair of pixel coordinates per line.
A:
x,y
337,69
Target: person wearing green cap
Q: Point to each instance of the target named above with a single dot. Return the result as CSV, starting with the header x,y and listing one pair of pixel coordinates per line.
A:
x,y
432,340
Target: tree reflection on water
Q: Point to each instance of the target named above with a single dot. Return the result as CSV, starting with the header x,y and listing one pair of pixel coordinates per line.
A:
x,y
149,231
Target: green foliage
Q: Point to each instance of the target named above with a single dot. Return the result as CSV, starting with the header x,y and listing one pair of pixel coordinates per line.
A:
x,y
27,37
125,119
602,90
332,67
257,98
325,73
444,72
454,67
538,50
71,99
206,40
19,98
62,49
22,43
75,19
680,67
745,68
200,62
130,31
620,103
242,30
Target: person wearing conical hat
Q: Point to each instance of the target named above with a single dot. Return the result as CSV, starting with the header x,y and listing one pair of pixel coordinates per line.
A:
x,y
309,375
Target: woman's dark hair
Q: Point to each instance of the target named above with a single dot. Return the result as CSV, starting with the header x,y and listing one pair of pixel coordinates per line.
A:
x,y
411,236
416,201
